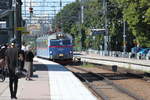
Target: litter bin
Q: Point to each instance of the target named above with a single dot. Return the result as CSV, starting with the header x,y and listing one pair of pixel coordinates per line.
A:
x,y
114,68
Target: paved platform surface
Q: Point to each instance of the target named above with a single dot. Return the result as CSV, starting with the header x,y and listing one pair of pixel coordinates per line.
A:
x,y
134,64
36,89
50,82
64,85
119,59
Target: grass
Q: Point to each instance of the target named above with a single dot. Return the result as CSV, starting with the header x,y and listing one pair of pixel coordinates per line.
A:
x,y
87,65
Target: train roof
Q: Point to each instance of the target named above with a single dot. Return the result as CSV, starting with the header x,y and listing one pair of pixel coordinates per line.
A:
x,y
55,36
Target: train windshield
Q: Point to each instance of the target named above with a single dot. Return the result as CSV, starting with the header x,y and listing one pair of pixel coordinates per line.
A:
x,y
54,43
60,42
66,42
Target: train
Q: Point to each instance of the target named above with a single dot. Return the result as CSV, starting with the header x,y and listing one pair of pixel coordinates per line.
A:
x,y
57,46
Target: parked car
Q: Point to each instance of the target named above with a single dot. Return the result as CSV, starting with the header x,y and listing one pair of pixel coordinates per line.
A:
x,y
142,53
134,51
148,55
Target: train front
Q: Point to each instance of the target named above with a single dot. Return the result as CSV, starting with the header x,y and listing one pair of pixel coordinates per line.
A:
x,y
61,48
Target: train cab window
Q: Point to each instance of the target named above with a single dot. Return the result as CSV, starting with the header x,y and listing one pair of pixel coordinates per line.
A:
x,y
66,42
41,43
54,43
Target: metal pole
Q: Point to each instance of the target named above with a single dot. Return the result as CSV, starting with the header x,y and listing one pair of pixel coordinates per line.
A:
x,y
61,16
124,36
25,7
82,12
54,19
30,12
14,14
106,37
11,22
81,22
18,21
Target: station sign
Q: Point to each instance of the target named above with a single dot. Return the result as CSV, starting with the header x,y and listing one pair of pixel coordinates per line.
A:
x,y
20,28
23,30
5,4
26,32
97,31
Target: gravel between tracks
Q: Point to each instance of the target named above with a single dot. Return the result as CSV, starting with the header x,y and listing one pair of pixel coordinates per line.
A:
x,y
138,86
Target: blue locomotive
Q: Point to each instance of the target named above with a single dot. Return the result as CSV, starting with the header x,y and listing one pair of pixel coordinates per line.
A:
x,y
57,46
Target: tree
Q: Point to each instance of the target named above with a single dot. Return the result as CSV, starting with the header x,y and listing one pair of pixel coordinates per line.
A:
x,y
67,17
136,13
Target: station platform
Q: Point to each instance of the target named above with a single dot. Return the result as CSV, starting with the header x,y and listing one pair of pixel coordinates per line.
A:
x,y
133,64
51,81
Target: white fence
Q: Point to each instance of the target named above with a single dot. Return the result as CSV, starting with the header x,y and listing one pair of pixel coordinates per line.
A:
x,y
119,54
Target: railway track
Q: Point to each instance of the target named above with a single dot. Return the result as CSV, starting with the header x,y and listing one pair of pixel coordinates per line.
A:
x,y
123,73
103,87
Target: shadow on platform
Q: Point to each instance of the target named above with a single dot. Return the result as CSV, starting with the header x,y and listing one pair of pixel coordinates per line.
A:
x,y
49,67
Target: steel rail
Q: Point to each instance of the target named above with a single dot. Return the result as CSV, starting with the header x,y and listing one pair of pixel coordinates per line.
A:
x,y
99,93
117,86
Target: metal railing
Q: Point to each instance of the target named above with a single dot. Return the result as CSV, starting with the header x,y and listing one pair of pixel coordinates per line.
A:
x,y
119,54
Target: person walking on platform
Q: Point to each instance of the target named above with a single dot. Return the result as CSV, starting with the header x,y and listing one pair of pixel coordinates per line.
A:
x,y
23,46
11,56
2,56
29,63
21,58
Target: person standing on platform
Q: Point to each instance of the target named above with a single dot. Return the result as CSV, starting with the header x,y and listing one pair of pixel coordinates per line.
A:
x,y
11,57
29,63
23,46
2,56
21,58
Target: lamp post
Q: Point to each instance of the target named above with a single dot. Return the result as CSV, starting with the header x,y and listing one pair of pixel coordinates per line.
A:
x,y
82,13
31,12
61,24
106,37
25,8
81,21
124,36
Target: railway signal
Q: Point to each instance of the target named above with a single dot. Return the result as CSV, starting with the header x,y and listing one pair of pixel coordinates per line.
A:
x,y
31,10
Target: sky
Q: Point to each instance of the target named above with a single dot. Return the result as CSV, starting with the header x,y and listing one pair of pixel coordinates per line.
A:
x,y
44,14
54,9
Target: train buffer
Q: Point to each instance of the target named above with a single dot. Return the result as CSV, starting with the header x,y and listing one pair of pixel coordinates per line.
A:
x,y
50,81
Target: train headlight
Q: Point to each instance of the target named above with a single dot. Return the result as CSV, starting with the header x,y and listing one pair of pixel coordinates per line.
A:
x,y
71,51
50,52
